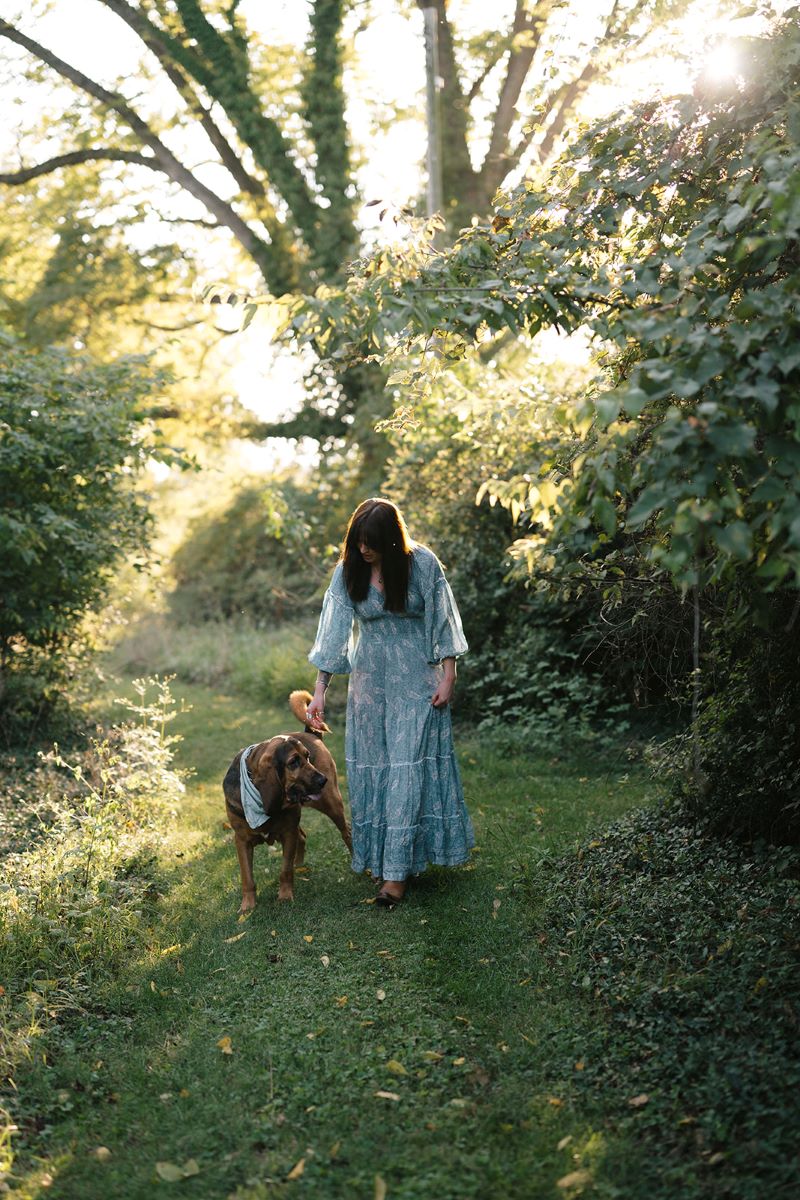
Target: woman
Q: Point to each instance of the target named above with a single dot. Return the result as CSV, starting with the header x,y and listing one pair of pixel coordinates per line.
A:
x,y
406,801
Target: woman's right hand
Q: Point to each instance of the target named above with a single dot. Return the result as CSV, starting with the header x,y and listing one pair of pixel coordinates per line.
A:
x,y
316,708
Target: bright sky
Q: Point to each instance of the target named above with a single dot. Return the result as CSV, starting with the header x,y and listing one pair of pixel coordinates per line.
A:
x,y
386,75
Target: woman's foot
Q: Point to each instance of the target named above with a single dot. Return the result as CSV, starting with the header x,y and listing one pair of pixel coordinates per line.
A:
x,y
391,893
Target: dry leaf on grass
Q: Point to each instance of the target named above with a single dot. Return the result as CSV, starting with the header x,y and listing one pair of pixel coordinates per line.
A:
x,y
326,962
297,1170
225,1045
236,937
380,1189
172,1173
101,1153
565,1141
387,1095
574,1179
396,1067
308,937
432,1055
639,1101
380,994
341,1001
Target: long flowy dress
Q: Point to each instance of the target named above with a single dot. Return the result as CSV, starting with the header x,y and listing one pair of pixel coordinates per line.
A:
x,y
406,800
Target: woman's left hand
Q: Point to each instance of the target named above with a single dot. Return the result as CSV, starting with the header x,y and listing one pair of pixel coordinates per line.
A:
x,y
444,693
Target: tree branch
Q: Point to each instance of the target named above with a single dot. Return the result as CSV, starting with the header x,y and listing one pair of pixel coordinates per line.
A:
x,y
261,252
162,46
72,157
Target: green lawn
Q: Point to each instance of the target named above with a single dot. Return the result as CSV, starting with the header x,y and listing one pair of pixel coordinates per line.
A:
x,y
426,1050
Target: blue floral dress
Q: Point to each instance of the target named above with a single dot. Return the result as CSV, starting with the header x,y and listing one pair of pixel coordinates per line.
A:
x,y
406,802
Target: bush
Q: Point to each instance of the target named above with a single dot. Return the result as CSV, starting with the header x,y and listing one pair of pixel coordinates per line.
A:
x,y
73,437
255,561
747,736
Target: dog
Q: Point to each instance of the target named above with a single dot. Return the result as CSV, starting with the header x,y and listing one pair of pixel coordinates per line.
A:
x,y
291,771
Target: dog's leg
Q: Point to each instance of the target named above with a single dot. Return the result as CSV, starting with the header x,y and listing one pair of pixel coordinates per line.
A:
x,y
244,852
286,888
300,852
332,805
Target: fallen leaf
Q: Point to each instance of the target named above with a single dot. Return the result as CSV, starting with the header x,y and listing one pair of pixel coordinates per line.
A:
x,y
101,1153
297,1170
574,1179
341,1001
458,1103
169,1172
565,1141
245,916
225,1046
380,994
307,937
580,1065
464,1020
380,1189
326,962
459,1062
183,1093
387,1095
716,1158
639,1101
191,1167
364,1024
334,1150
396,1067
554,1100
432,1055
169,949
495,905
236,937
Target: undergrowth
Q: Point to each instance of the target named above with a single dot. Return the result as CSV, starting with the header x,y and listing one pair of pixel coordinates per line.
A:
x,y
686,948
79,882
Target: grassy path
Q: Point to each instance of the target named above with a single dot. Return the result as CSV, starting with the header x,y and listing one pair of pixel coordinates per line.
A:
x,y
441,1005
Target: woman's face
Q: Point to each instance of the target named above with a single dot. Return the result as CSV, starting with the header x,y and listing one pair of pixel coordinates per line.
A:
x,y
368,555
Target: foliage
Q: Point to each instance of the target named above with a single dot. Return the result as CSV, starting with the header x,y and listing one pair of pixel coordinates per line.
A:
x,y
79,841
75,435
672,236
259,559
747,738
687,952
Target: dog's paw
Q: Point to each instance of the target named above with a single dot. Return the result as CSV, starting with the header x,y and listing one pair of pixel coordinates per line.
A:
x,y
248,902
285,894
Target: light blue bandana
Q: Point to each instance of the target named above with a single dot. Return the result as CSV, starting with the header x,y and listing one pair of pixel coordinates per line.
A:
x,y
252,803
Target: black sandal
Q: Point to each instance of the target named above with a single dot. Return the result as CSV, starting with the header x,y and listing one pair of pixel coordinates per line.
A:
x,y
387,900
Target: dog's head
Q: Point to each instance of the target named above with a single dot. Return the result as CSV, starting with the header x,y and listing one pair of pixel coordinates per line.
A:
x,y
285,773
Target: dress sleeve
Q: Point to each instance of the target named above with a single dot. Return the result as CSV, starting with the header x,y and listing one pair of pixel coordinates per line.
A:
x,y
444,636
331,649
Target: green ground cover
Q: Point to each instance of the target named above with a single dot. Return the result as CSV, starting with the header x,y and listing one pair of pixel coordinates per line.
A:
x,y
467,1044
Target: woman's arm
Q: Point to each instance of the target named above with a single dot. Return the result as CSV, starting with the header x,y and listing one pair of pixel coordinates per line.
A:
x,y
444,693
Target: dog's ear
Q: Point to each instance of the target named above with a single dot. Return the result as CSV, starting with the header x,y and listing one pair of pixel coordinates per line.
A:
x,y
268,775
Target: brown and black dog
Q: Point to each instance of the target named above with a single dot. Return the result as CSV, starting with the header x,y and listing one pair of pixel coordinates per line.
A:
x,y
290,771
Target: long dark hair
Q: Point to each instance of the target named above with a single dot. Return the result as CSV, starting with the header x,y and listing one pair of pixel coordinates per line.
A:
x,y
378,524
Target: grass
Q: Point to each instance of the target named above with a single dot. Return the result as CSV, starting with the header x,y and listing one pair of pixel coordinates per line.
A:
x,y
439,1003
484,1039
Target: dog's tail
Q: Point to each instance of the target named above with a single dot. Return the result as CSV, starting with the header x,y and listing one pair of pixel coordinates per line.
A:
x,y
298,703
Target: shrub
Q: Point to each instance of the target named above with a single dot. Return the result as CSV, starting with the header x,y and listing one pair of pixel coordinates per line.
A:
x,y
73,437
